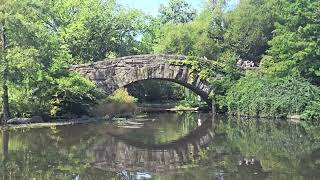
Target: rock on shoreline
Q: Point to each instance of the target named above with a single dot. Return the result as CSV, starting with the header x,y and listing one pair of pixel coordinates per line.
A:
x,y
35,119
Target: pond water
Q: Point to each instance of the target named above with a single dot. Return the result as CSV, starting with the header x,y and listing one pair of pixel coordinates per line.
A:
x,y
165,146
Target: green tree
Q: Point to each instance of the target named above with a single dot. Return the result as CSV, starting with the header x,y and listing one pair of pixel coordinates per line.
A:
x,y
8,16
249,27
295,47
217,22
151,34
177,11
188,38
92,30
46,37
4,68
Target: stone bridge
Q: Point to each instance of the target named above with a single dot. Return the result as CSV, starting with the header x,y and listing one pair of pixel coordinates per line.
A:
x,y
112,74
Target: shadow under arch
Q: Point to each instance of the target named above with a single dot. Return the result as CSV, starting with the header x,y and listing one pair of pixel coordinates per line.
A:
x,y
204,96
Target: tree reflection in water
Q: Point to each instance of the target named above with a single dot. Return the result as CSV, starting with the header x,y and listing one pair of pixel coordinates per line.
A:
x,y
171,147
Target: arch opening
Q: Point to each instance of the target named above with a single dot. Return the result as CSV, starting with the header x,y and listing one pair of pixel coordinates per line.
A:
x,y
163,90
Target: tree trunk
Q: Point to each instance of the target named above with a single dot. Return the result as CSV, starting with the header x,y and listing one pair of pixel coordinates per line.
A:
x,y
5,97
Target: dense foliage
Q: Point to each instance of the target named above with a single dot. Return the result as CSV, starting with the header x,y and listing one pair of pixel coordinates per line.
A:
x,y
289,78
177,11
282,35
256,95
45,37
248,28
295,46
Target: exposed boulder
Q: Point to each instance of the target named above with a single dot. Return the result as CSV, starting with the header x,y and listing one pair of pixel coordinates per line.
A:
x,y
35,119
19,121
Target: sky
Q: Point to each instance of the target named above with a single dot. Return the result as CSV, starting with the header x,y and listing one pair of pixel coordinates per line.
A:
x,y
152,6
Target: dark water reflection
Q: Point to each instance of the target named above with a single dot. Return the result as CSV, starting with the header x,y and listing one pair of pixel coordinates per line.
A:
x,y
167,146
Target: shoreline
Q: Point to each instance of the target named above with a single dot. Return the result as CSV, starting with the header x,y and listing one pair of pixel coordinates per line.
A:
x,y
95,120
49,124
89,119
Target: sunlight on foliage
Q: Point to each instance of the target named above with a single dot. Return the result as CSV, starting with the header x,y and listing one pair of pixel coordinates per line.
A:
x,y
121,96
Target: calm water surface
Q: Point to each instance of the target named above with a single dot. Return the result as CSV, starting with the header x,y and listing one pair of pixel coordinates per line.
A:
x,y
166,146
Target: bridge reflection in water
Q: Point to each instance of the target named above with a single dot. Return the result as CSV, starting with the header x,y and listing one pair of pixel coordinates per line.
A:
x,y
120,153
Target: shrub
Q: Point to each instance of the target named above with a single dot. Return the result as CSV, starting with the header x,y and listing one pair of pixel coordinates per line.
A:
x,y
257,95
312,111
121,96
118,104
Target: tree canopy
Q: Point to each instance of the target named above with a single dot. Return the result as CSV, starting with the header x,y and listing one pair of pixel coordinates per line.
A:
x,y
177,11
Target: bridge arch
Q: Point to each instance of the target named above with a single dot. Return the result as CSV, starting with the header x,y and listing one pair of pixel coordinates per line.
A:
x,y
112,74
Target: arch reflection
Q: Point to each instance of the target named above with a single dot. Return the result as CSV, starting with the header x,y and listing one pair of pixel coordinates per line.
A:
x,y
122,153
